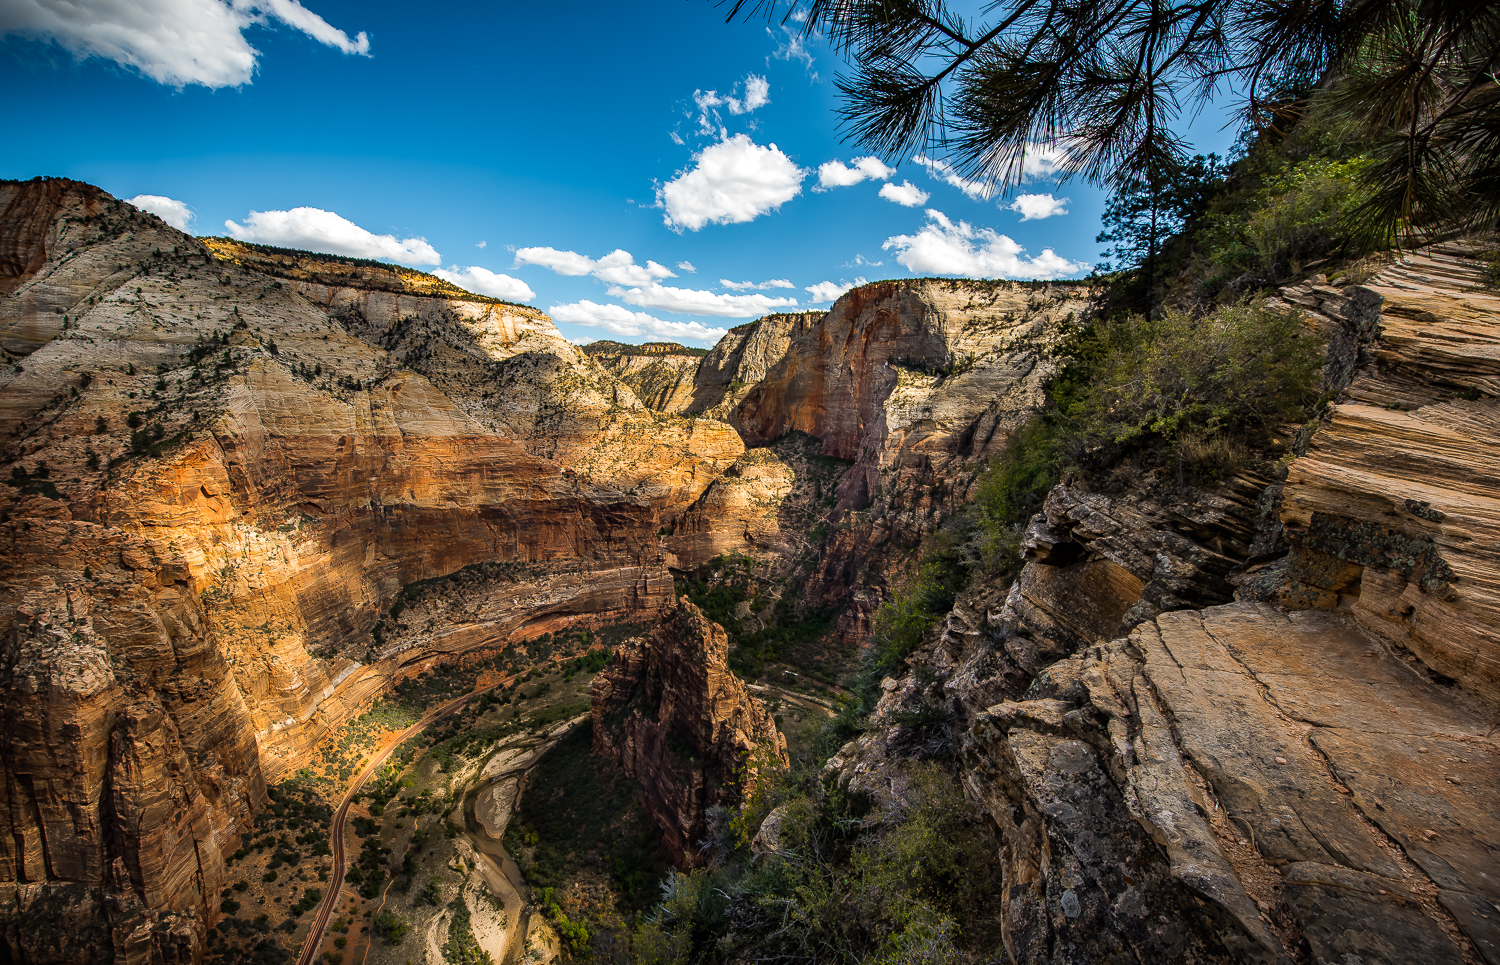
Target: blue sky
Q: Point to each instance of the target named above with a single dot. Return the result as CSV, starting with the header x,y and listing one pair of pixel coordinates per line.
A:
x,y
552,135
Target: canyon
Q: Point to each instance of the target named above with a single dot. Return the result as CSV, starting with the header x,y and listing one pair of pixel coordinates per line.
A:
x,y
228,462
251,491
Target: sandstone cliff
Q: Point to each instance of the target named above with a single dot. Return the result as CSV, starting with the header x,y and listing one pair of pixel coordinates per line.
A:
x,y
678,720
224,464
661,374
742,358
913,385
1305,774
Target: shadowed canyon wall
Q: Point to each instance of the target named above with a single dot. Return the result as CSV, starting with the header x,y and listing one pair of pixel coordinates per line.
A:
x,y
224,462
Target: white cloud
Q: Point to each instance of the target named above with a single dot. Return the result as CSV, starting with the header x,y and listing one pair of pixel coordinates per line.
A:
x,y
562,262
733,181
176,42
314,229
622,321
906,194
686,266
689,301
1039,161
617,268
827,291
946,172
757,94
835,174
744,285
943,247
485,282
1032,207
1047,161
791,46
482,244
173,212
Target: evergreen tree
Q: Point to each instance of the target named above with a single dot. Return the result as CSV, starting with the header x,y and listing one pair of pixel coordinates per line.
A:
x,y
1098,88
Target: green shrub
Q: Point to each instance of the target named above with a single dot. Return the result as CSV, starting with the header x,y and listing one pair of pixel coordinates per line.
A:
x,y
1304,211
392,927
844,889
1239,367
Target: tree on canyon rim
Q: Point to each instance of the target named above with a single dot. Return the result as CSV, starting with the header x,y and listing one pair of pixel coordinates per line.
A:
x,y
1098,89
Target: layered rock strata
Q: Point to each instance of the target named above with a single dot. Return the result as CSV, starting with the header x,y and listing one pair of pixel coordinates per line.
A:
x,y
224,463
742,358
661,374
914,385
678,720
1308,774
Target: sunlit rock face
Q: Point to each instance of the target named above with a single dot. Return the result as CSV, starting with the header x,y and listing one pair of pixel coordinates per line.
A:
x,y
916,383
679,721
224,462
1256,722
661,374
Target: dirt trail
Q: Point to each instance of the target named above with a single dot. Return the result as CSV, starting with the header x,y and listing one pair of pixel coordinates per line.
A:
x,y
314,938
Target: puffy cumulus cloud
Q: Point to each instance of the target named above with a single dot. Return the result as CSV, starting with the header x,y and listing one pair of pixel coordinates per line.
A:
x,y
690,301
622,321
761,285
562,262
176,42
906,194
617,268
948,174
837,174
827,291
943,247
1034,206
173,212
314,229
733,181
482,281
686,266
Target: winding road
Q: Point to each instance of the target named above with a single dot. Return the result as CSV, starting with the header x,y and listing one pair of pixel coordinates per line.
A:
x,y
336,882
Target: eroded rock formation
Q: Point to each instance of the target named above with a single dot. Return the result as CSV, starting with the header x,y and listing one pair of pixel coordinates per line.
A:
x,y
661,374
914,385
224,463
1305,774
678,720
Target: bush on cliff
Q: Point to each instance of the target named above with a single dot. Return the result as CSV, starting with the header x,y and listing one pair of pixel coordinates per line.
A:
x,y
1242,367
844,884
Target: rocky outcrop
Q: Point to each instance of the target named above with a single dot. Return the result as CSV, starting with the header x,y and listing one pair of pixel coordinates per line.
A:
x,y
678,720
1307,774
1396,507
742,358
224,464
1258,751
917,384
661,374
